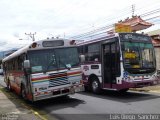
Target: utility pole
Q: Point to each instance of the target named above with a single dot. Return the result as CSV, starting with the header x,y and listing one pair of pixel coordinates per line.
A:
x,y
133,10
31,35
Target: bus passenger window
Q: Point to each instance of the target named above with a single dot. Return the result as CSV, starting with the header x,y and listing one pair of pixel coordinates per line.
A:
x,y
93,52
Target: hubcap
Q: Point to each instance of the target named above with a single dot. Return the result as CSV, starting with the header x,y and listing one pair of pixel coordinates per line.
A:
x,y
95,85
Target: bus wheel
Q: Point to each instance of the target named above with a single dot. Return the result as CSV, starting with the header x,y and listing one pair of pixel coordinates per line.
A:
x,y
95,85
23,93
9,86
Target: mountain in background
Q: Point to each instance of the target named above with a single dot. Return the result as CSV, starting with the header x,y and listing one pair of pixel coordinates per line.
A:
x,y
6,53
1,55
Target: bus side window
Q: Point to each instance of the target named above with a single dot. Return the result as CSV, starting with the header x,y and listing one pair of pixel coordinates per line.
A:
x,y
93,52
80,49
20,62
85,50
13,62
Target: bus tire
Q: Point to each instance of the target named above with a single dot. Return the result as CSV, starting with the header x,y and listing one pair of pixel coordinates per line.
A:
x,y
23,92
95,85
9,86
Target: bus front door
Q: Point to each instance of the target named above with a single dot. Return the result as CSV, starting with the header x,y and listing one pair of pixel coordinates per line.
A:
x,y
109,61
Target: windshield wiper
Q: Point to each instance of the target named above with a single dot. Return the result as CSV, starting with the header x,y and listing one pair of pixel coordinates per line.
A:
x,y
64,64
50,64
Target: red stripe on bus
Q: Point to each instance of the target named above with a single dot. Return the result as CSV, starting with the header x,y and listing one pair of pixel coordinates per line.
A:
x,y
55,76
40,78
79,72
59,75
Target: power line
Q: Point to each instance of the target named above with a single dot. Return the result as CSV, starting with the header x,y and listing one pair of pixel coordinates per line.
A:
x,y
151,12
90,33
133,10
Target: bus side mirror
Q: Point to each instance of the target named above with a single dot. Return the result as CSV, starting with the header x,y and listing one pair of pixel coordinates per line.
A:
x,y
27,64
82,58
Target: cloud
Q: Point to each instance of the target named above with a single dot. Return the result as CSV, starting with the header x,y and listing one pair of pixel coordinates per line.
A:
x,y
59,17
8,42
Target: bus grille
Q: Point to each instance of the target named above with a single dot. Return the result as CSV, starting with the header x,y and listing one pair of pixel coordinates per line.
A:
x,y
58,79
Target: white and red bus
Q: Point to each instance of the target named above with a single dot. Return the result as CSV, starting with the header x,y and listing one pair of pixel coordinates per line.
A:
x,y
44,69
118,61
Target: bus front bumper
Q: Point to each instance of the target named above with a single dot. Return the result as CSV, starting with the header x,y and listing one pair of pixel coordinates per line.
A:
x,y
58,92
138,84
78,88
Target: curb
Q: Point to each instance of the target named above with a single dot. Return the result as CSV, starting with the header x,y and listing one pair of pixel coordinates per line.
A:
x,y
23,104
34,112
145,90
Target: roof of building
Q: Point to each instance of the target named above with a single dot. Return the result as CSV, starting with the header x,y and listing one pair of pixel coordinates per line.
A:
x,y
136,23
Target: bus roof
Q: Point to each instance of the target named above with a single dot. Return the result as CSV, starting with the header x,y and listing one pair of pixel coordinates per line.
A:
x,y
97,39
41,44
107,36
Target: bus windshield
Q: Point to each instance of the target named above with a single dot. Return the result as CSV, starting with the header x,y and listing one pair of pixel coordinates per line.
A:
x,y
53,59
138,57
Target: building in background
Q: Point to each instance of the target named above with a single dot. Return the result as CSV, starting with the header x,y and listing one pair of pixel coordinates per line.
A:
x,y
156,42
136,23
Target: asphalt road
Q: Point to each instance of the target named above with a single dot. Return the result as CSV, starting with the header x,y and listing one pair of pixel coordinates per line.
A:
x,y
97,106
88,106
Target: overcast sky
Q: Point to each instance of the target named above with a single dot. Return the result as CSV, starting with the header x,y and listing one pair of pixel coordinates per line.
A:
x,y
61,17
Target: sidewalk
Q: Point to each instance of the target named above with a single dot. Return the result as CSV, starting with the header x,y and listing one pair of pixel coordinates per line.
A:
x,y
155,88
12,109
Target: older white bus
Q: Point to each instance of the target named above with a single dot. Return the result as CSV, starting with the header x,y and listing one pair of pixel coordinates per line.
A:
x,y
44,69
118,61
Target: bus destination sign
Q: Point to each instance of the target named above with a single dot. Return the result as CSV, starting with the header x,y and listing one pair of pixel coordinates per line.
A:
x,y
134,37
53,43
